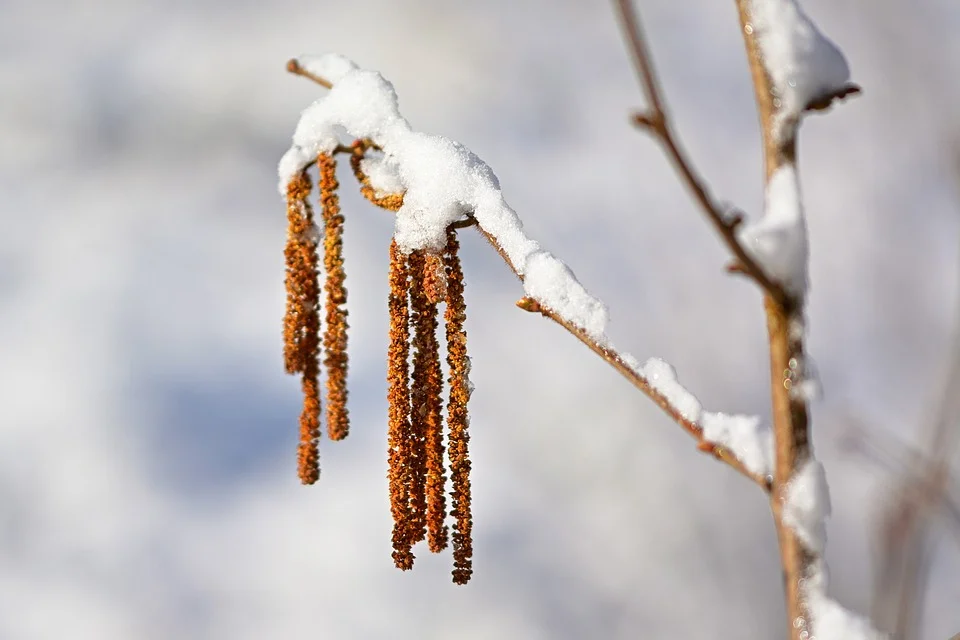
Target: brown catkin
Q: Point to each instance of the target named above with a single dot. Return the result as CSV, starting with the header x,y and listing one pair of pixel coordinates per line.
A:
x,y
457,419
335,331
427,498
301,323
308,453
437,534
398,397
299,222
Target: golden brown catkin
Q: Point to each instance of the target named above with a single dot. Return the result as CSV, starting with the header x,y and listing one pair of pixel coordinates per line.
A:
x,y
301,322
335,330
427,408
419,281
398,397
457,418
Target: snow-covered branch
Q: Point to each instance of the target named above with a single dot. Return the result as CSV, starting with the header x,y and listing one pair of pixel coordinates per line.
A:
x,y
795,69
443,183
807,71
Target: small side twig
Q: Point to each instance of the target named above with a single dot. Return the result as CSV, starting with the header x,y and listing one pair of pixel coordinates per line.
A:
x,y
824,102
294,67
657,121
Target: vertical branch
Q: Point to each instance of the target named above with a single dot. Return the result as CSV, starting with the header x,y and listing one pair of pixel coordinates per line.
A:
x,y
791,449
783,311
790,420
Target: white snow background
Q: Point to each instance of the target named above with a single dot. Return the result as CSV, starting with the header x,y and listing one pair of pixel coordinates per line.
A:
x,y
147,432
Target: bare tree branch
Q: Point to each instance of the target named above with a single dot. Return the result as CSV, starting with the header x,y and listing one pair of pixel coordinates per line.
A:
x,y
656,120
790,420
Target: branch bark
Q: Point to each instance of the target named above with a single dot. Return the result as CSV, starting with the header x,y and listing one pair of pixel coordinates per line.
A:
x,y
790,418
656,120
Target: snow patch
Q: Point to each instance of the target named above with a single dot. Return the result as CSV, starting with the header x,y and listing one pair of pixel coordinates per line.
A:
x,y
803,64
807,505
551,282
663,378
805,510
778,240
828,619
383,174
329,66
745,436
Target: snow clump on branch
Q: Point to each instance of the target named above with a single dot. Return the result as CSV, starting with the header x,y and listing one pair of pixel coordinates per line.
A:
x,y
804,65
442,182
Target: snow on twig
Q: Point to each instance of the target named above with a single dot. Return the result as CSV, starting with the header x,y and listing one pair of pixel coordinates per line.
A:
x,y
778,240
744,436
805,67
805,510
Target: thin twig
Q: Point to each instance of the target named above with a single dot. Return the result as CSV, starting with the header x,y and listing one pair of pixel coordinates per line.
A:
x,y
293,66
616,360
336,150
657,121
824,102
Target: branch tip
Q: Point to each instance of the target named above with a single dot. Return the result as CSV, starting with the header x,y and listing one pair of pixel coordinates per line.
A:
x,y
294,67
735,220
823,103
736,268
649,120
529,304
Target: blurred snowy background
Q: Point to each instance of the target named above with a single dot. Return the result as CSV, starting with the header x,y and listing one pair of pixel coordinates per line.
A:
x,y
147,472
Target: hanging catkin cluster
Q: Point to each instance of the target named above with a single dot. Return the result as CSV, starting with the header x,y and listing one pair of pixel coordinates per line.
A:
x,y
301,323
420,281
